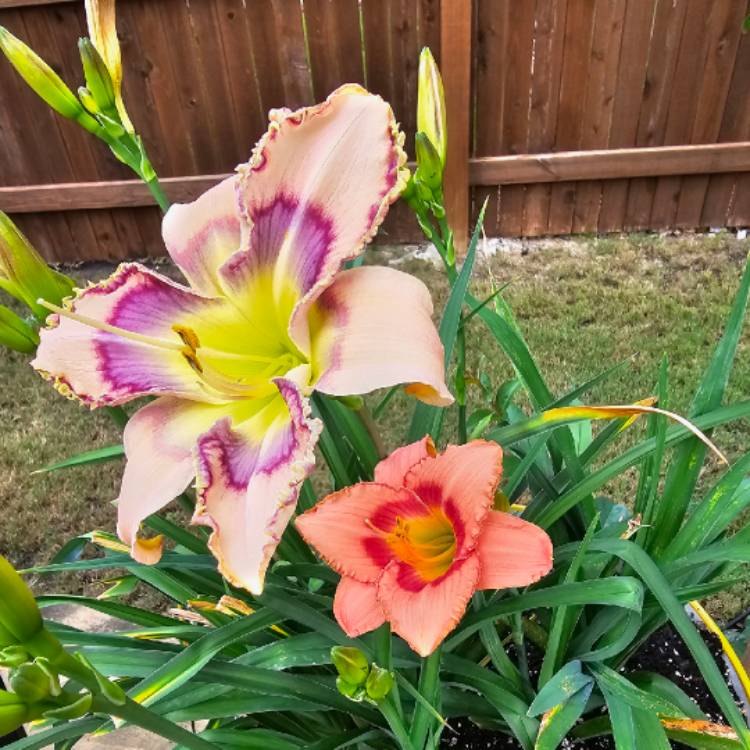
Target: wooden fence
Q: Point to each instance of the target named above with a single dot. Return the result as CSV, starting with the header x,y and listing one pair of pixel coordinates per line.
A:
x,y
571,115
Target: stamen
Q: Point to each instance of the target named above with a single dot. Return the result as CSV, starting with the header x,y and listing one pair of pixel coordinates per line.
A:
x,y
101,326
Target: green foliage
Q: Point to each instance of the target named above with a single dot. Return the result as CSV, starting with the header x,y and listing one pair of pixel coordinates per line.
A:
x,y
276,670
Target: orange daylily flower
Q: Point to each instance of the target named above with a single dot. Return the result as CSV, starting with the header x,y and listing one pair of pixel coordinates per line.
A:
x,y
414,545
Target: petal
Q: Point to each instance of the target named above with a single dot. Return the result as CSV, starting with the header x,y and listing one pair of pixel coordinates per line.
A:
x,y
424,613
249,475
393,470
203,234
159,441
512,552
318,185
356,607
342,528
372,328
462,480
101,367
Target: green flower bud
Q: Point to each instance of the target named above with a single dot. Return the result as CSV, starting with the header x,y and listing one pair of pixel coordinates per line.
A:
x,y
429,166
34,683
39,76
88,101
351,664
16,334
13,712
14,656
379,683
24,273
19,614
98,79
431,104
352,692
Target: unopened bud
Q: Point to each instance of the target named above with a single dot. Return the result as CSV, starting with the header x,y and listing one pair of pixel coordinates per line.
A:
x,y
13,712
429,166
431,104
98,79
13,656
16,334
88,100
24,273
39,76
352,692
379,683
34,683
19,614
351,664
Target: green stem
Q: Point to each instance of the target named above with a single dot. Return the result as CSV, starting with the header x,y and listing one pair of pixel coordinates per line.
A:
x,y
155,189
119,415
135,713
391,715
461,384
372,430
429,683
384,659
520,643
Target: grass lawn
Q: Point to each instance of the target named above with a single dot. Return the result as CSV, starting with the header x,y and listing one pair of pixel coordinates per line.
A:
x,y
583,306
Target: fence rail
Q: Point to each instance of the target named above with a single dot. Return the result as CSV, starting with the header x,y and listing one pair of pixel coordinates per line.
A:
x,y
570,115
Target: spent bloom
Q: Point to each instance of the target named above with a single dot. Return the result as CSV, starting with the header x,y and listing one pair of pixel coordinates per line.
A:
x,y
269,316
104,84
414,545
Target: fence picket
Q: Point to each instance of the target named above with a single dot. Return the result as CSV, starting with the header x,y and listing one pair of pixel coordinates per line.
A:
x,y
521,78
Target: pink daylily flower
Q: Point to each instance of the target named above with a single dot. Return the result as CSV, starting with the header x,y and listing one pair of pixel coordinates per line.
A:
x,y
269,316
414,545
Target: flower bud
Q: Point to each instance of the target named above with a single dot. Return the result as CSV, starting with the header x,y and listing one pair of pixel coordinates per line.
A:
x,y
98,79
39,76
25,275
352,692
19,614
14,655
429,166
351,664
379,683
431,104
88,100
16,334
34,683
13,712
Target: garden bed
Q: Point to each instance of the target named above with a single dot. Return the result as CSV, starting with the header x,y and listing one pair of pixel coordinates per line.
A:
x,y
664,653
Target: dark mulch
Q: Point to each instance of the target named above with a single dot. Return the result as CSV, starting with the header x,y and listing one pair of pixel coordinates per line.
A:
x,y
664,653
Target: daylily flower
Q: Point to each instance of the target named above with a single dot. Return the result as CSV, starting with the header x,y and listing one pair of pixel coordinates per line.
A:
x,y
268,317
414,545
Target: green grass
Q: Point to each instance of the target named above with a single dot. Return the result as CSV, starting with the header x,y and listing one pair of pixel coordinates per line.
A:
x,y
583,306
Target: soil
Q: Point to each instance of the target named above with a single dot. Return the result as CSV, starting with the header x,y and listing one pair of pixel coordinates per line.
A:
x,y
664,653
